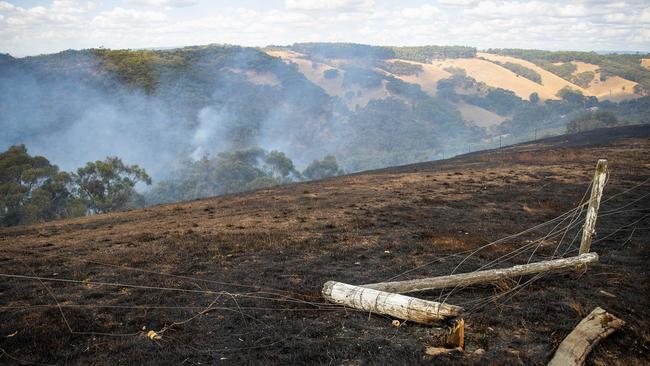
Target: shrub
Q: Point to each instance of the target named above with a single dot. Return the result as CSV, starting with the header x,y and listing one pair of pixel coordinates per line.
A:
x,y
320,169
592,120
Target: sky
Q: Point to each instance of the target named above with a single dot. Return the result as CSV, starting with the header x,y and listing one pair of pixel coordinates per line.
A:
x,y
34,27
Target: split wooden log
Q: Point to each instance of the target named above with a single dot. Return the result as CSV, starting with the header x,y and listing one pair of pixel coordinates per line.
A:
x,y
576,346
395,305
456,337
482,277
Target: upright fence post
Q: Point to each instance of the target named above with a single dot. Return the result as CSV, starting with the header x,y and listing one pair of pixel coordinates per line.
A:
x,y
594,203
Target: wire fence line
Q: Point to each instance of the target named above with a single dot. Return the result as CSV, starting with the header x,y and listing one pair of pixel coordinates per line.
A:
x,y
501,141
561,226
573,214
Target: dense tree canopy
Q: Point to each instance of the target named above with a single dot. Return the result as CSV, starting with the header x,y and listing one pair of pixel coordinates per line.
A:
x,y
401,68
231,172
426,54
32,189
109,185
521,70
377,53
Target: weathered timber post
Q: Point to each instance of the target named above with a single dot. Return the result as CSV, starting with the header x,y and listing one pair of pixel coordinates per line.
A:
x,y
594,202
380,302
483,277
592,329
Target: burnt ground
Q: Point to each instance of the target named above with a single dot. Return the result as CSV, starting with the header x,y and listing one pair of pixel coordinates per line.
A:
x,y
272,250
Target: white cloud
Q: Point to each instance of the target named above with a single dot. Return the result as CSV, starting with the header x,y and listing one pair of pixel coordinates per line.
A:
x,y
120,17
38,16
589,24
616,5
424,11
615,17
644,17
5,6
506,9
164,3
458,2
572,10
276,16
328,4
69,7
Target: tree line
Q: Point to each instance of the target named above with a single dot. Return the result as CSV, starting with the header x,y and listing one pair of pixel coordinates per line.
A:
x,y
425,54
34,190
520,70
236,171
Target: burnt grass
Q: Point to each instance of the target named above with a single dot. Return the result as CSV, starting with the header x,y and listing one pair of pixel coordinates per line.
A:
x,y
272,250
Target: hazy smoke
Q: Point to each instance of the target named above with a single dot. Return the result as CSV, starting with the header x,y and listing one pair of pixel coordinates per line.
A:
x,y
69,120
211,128
71,123
71,109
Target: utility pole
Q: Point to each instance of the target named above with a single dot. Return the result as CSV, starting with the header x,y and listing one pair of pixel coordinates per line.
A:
x,y
499,141
535,133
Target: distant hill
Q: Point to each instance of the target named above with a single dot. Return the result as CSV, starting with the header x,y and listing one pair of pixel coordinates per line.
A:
x,y
487,88
369,106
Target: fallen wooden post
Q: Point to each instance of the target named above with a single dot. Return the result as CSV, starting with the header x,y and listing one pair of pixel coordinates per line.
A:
x,y
576,346
482,277
380,302
594,202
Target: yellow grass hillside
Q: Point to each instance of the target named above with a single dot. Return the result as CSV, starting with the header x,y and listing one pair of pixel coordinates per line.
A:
x,y
646,63
483,68
427,79
551,83
352,95
583,67
477,116
614,88
496,76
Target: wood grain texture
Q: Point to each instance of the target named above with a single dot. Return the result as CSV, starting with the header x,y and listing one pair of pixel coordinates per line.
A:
x,y
483,277
600,176
585,336
380,302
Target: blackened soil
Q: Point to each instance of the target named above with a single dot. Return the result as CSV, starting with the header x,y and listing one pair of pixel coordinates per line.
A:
x,y
261,259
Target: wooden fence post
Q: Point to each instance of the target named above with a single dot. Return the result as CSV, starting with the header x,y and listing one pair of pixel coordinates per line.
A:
x,y
594,202
592,329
